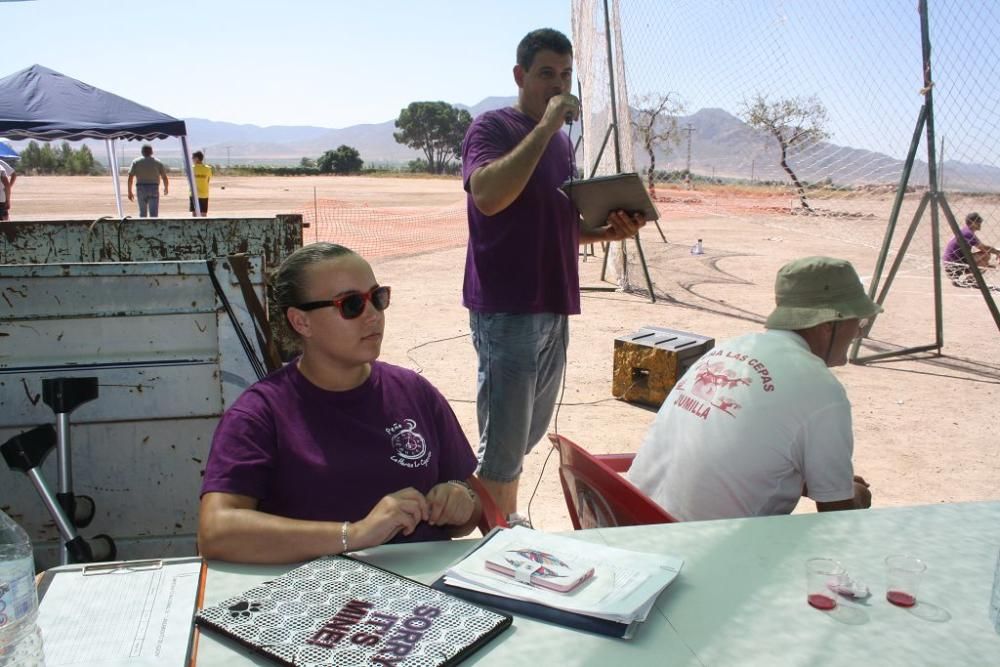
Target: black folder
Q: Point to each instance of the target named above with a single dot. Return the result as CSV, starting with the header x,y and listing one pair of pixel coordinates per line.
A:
x,y
569,619
596,197
341,611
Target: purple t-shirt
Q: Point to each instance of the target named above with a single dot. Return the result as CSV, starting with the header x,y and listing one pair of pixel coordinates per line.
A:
x,y
308,453
953,253
524,258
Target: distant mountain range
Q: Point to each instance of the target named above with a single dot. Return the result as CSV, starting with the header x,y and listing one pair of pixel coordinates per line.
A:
x,y
240,143
721,145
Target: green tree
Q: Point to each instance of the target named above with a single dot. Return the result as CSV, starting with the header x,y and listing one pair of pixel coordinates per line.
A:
x,y
30,157
64,160
796,122
48,161
436,128
344,160
307,163
64,157
82,163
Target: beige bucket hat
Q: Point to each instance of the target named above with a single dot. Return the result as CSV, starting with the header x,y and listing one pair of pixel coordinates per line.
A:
x,y
814,290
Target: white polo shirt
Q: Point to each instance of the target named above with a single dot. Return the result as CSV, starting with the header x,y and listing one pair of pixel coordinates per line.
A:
x,y
744,428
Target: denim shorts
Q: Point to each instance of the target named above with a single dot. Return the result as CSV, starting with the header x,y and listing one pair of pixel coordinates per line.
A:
x,y
521,362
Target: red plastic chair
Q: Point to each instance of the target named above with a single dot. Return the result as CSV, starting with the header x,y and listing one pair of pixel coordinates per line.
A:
x,y
597,495
492,516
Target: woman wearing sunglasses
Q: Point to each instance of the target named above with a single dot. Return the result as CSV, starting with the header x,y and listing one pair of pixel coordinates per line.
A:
x,y
335,451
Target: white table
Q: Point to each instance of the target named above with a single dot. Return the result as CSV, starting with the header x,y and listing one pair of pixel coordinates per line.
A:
x,y
740,599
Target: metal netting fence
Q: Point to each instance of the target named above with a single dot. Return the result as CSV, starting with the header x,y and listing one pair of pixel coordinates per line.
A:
x,y
840,84
376,232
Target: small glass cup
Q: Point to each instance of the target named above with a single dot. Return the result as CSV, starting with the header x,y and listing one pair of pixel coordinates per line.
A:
x,y
902,575
821,573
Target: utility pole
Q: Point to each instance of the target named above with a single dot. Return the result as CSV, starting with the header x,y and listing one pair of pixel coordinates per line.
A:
x,y
687,170
228,161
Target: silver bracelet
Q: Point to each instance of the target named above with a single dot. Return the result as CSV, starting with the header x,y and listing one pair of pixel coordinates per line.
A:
x,y
343,535
468,489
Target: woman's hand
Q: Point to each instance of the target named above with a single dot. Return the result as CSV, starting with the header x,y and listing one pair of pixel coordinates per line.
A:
x,y
450,504
399,511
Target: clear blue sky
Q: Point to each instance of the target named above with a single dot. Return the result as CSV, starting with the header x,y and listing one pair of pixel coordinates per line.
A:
x,y
336,63
331,63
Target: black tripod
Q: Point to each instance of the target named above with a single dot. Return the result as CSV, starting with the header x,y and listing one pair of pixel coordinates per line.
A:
x,y
26,453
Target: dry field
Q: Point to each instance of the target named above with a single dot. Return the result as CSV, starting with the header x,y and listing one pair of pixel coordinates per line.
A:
x,y
925,427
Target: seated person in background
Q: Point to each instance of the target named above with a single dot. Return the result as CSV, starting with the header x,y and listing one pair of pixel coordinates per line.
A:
x,y
760,421
954,263
335,451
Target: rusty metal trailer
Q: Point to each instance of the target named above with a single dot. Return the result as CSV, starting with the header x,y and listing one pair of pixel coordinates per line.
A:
x,y
132,303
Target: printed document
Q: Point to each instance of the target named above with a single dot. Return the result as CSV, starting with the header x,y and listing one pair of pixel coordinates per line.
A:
x,y
120,616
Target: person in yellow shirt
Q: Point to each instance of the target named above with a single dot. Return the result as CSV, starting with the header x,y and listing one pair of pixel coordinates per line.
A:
x,y
202,177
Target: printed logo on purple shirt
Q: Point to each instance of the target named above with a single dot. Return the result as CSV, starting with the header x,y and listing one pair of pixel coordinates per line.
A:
x,y
409,447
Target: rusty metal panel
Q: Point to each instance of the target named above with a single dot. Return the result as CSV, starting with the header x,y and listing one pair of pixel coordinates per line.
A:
x,y
168,362
148,239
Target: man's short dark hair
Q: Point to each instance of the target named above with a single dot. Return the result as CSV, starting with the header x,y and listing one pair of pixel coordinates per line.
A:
x,y
198,154
543,39
973,218
147,149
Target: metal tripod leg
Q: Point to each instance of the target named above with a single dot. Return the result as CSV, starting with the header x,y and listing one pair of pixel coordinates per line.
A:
x,y
660,229
642,261
76,549
25,453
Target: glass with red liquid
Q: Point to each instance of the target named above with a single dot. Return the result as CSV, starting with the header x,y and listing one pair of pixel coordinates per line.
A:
x,y
821,574
902,576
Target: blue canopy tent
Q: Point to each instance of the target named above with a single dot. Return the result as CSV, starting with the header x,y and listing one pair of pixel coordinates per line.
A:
x,y
40,103
7,153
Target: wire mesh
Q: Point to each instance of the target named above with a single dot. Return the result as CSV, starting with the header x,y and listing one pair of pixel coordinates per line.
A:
x,y
859,63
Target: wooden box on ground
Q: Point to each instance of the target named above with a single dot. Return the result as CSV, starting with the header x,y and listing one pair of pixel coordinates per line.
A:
x,y
649,362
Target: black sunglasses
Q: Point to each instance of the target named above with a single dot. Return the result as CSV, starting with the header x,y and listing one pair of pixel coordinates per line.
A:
x,y
353,305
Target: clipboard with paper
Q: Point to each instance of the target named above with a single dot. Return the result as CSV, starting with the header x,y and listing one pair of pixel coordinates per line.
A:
x,y
119,614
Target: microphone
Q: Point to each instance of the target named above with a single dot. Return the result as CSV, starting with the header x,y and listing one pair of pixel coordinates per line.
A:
x,y
569,117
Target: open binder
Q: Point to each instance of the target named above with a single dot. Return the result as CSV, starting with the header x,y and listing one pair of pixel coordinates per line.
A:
x,y
541,612
337,610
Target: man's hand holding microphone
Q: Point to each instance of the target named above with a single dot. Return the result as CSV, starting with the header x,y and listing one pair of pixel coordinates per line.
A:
x,y
561,109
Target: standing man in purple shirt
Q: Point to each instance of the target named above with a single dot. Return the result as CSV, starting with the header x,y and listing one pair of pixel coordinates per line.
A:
x,y
335,451
521,274
954,263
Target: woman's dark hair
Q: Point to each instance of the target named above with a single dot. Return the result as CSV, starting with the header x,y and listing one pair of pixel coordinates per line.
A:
x,y
543,39
288,281
973,218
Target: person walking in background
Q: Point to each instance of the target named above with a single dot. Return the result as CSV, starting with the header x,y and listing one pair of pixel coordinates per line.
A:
x,y
521,275
954,262
145,173
7,178
202,178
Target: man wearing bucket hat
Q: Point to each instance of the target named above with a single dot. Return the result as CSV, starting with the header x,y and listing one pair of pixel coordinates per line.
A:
x,y
760,421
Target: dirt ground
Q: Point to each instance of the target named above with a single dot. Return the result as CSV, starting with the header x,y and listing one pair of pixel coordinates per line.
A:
x,y
924,425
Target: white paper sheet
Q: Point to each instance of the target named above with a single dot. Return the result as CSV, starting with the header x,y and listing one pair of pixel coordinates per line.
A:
x,y
121,617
